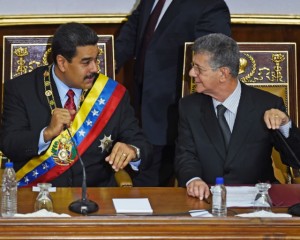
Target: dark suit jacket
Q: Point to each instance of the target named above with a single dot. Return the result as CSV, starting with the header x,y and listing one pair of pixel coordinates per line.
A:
x,y
200,148
27,112
158,87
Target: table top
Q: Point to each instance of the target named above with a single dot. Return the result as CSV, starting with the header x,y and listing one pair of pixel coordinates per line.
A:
x,y
163,201
171,201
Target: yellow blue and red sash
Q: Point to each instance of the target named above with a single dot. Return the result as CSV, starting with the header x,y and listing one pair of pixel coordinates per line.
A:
x,y
90,120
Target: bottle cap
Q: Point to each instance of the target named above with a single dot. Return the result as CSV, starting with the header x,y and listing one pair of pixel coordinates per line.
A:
x,y
9,164
219,180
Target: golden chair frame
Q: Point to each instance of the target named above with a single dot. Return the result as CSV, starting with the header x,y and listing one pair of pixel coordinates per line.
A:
x,y
22,54
270,66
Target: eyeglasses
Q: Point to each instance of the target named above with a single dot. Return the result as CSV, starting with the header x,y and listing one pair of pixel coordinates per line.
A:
x,y
197,69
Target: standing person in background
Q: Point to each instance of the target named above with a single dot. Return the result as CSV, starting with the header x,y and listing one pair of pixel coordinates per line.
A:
x,y
155,35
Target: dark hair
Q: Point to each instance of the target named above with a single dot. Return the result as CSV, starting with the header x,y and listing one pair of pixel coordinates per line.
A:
x,y
223,51
69,36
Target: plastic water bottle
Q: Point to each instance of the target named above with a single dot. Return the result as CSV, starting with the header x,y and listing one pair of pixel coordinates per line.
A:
x,y
219,207
9,191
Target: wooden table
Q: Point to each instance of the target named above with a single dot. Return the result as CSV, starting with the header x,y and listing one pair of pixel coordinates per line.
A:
x,y
169,220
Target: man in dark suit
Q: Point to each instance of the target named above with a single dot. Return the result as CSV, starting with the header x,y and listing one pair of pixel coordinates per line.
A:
x,y
158,68
205,150
40,105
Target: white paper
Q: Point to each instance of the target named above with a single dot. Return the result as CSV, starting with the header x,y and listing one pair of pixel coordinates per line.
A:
x,y
42,213
200,213
263,213
132,205
240,196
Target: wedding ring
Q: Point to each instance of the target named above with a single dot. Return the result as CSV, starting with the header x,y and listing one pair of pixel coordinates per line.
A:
x,y
276,116
124,155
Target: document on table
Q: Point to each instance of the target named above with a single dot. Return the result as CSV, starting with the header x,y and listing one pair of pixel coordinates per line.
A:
x,y
132,205
240,196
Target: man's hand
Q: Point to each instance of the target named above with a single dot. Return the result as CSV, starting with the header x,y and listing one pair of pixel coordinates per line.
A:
x,y
60,117
198,188
121,155
274,118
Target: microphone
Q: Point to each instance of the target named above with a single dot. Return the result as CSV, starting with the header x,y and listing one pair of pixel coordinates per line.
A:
x,y
83,205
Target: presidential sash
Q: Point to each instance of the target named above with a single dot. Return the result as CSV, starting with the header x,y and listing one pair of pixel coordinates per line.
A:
x,y
92,117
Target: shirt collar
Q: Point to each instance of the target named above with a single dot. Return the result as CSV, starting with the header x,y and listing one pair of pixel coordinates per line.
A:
x,y
232,102
63,88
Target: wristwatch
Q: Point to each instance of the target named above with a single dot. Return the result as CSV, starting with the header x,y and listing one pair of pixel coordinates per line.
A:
x,y
137,153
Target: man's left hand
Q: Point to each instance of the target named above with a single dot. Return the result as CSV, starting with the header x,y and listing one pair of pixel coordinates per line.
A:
x,y
274,118
121,155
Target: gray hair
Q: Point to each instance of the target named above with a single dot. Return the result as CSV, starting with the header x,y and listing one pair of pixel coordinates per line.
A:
x,y
223,51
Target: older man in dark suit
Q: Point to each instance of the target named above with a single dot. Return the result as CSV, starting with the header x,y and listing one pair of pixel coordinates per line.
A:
x,y
237,143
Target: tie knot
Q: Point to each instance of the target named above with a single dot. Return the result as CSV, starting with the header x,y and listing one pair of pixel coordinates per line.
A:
x,y
70,104
221,110
70,93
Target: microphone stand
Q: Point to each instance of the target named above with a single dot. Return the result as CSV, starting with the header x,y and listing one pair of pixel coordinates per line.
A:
x,y
83,205
290,150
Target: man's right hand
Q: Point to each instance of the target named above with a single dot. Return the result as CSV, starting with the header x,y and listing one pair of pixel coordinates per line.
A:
x,y
198,188
61,117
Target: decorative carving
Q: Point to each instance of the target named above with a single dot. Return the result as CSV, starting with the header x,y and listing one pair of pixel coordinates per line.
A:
x,y
21,53
192,85
244,67
100,60
30,55
277,58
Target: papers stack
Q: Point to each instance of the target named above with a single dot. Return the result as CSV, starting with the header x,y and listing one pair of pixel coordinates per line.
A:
x,y
132,205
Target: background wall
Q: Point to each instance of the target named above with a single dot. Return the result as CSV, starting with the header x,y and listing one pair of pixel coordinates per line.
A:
x,y
24,7
21,7
264,6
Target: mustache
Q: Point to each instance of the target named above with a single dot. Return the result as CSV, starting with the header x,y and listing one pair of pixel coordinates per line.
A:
x,y
92,75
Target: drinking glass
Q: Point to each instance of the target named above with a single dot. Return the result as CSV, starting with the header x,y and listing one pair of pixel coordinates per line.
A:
x,y
44,200
262,199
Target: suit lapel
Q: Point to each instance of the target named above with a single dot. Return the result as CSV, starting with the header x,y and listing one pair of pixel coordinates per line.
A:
x,y
211,126
242,125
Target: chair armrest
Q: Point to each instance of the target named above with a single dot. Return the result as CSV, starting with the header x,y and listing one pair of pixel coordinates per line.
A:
x,y
123,179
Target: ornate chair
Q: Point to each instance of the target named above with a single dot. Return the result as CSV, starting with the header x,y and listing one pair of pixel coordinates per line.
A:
x,y
270,67
22,54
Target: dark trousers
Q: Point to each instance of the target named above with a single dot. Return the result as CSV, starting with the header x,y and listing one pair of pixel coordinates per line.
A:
x,y
161,172
165,156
